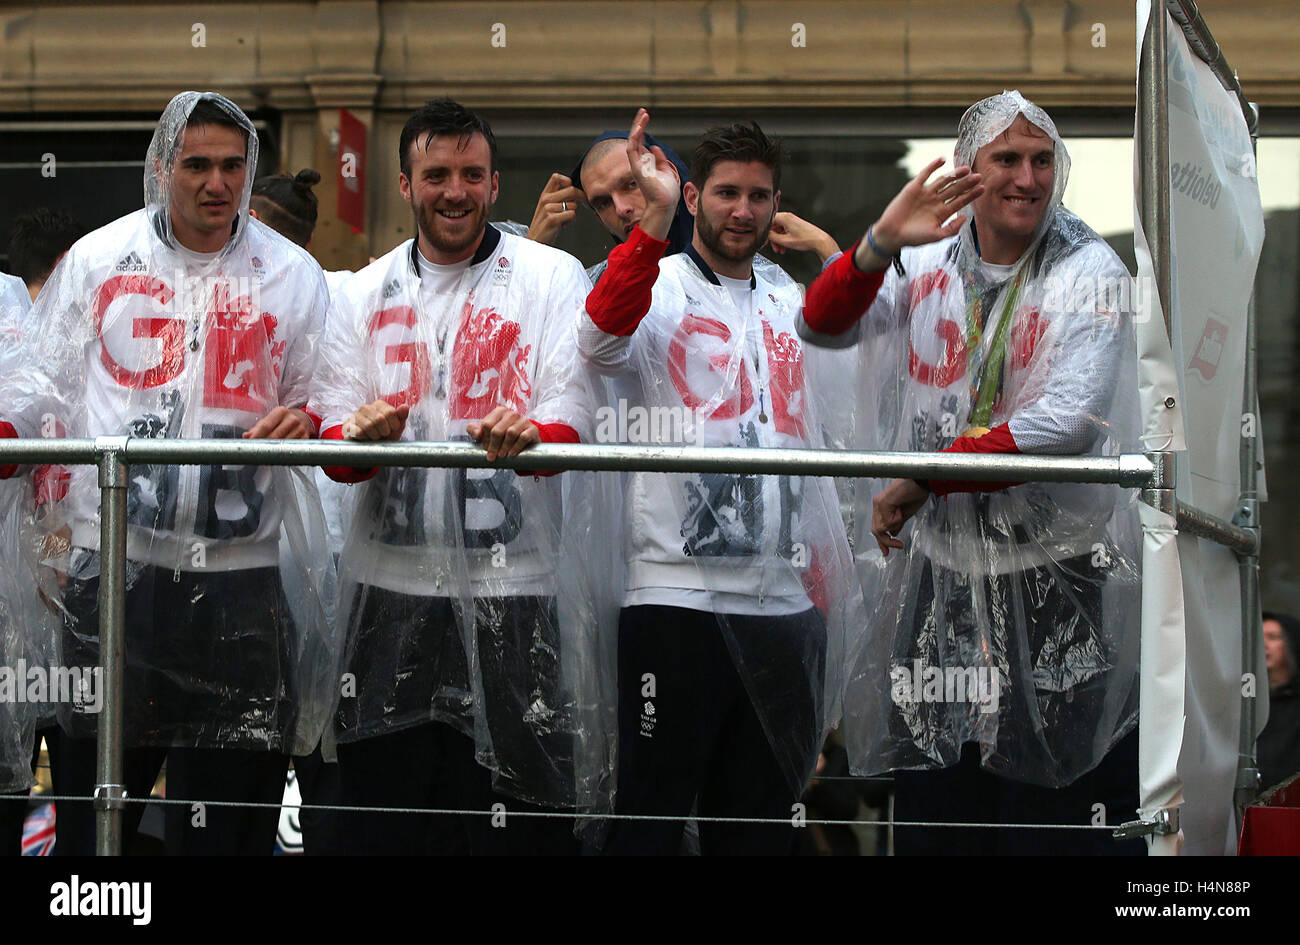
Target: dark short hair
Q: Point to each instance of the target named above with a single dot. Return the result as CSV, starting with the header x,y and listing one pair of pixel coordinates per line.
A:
x,y
738,142
287,204
442,116
37,241
208,112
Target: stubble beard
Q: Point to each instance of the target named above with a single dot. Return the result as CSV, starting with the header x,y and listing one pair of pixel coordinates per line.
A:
x,y
712,239
426,218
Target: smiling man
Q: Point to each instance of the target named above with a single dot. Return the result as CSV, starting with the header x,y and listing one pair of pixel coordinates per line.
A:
x,y
186,319
997,332
738,587
603,180
455,583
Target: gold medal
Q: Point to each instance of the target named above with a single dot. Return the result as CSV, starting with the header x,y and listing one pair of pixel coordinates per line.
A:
x,y
976,431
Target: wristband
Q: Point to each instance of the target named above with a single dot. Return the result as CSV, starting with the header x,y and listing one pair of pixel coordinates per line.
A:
x,y
895,258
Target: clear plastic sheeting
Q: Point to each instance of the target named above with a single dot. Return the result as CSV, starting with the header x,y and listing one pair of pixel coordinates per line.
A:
x,y
25,696
1011,618
134,334
766,555
14,300
468,595
992,116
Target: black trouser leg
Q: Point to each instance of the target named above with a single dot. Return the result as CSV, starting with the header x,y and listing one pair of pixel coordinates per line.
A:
x,y
409,768
74,775
700,735
525,707
784,658
13,812
667,723
962,793
200,775
318,783
1113,785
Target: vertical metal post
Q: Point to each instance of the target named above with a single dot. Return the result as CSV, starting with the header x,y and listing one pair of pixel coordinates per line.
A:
x,y
1153,144
110,791
1160,494
1247,783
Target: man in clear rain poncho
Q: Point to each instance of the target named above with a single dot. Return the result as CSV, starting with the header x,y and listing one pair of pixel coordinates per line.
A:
x,y
36,244
187,319
20,610
463,595
738,588
1004,643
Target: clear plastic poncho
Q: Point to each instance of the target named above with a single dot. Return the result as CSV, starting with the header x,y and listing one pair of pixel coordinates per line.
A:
x,y
26,636
697,371
1011,619
468,595
136,335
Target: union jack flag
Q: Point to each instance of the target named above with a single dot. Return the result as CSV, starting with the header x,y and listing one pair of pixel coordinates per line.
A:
x,y
38,831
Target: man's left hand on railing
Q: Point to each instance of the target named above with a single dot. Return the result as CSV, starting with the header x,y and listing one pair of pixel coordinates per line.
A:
x,y
504,432
283,423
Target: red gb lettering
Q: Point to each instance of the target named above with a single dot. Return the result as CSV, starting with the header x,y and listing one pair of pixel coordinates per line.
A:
x,y
712,334
785,367
236,358
951,366
413,353
169,331
1025,335
488,365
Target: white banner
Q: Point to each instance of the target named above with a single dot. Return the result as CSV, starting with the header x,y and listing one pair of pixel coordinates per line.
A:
x,y
1216,231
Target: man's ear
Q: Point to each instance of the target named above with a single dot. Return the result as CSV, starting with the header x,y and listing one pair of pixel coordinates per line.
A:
x,y
691,194
404,186
496,188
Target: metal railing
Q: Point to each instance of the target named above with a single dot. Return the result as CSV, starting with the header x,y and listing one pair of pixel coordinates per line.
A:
x,y
114,455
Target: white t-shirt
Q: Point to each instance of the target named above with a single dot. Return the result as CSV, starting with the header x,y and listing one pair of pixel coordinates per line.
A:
x,y
739,290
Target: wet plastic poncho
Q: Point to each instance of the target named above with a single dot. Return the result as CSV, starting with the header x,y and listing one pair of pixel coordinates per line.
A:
x,y
465,593
1011,618
14,299
24,630
699,372
21,706
136,335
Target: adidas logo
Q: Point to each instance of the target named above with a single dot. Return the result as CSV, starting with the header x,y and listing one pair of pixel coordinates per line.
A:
x,y
131,263
393,288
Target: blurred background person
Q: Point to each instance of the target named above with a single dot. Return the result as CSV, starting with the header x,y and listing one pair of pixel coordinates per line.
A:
x,y
1278,747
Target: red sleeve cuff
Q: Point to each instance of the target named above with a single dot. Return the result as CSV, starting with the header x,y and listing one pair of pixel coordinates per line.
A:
x,y
7,431
345,473
551,433
622,296
840,295
997,440
315,420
